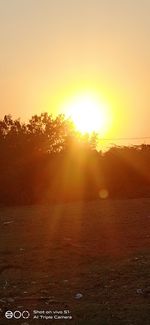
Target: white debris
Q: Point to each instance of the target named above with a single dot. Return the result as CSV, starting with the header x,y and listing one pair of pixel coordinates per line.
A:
x,y
139,291
7,222
78,296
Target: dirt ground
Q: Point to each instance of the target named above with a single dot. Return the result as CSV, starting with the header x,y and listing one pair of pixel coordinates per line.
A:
x,y
89,261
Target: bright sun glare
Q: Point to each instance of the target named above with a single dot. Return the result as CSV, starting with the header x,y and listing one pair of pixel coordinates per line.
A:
x,y
88,113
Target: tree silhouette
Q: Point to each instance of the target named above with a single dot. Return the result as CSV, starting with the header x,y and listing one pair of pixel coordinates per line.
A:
x,y
47,160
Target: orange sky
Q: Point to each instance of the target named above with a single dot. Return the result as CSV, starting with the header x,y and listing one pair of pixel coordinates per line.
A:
x,y
53,49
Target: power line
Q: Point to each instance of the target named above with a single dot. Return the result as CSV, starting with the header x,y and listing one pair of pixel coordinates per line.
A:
x,y
123,139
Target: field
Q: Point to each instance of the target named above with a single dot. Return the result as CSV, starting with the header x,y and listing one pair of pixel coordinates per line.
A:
x,y
92,259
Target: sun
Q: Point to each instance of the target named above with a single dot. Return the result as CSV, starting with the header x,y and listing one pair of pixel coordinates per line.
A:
x,y
88,113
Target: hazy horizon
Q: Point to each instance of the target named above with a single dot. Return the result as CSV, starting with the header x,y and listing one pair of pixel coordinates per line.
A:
x,y
51,50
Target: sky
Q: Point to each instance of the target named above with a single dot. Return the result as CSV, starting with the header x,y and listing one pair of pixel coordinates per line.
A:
x,y
53,49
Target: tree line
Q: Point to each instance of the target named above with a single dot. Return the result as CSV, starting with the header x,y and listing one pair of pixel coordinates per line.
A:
x,y
45,160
